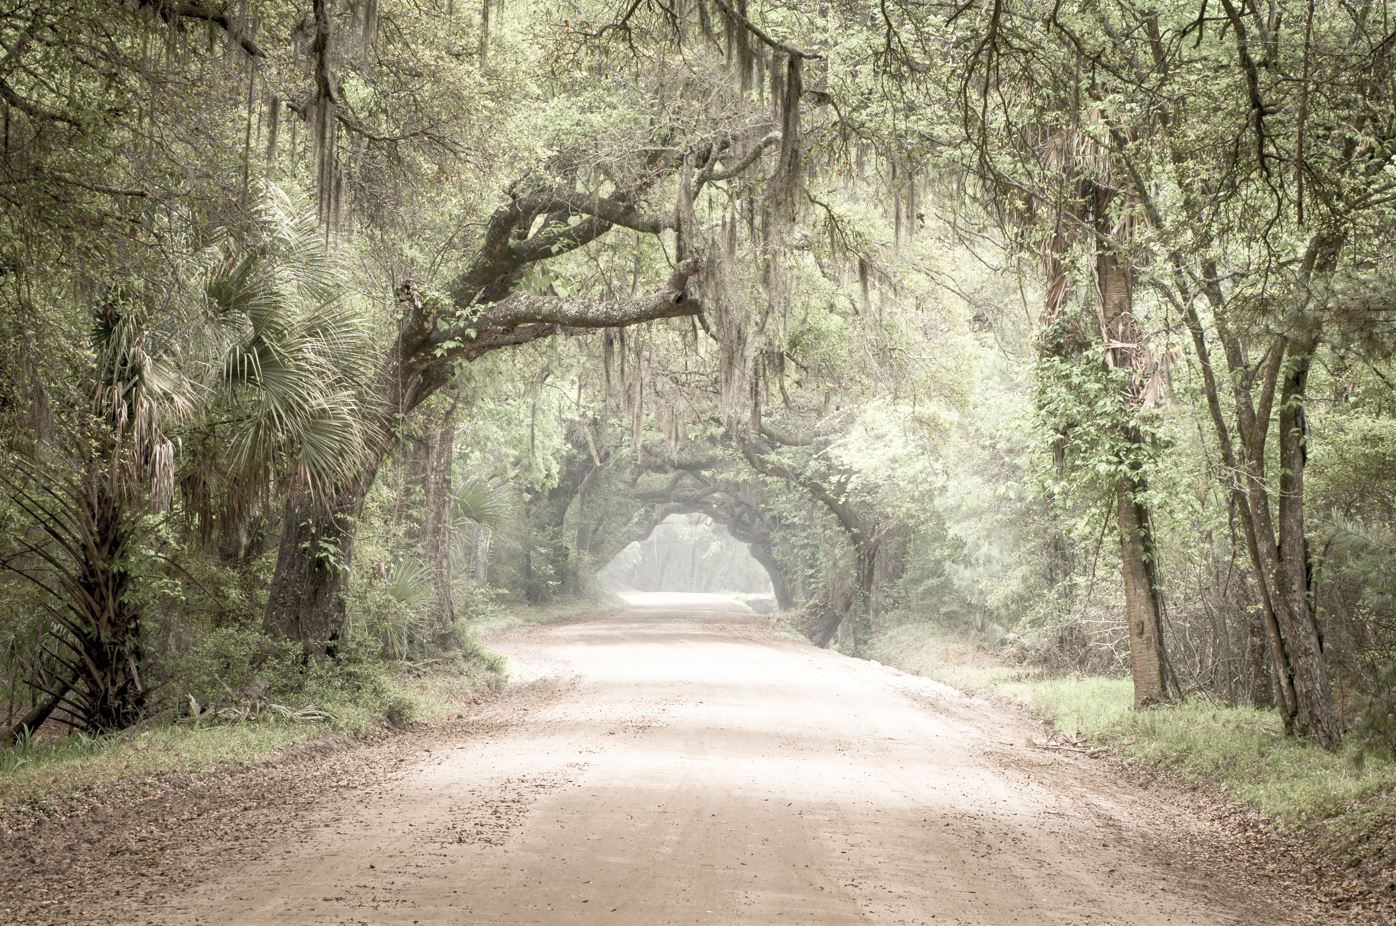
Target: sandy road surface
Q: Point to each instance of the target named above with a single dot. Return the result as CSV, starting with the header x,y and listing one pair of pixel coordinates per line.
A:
x,y
682,765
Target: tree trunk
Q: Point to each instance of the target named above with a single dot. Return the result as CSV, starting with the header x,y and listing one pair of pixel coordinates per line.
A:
x,y
306,597
584,542
429,462
780,585
109,694
36,716
1316,714
1243,459
1146,657
306,600
866,549
480,560
241,540
1256,684
862,530
1138,559
573,557
528,571
547,535
1299,677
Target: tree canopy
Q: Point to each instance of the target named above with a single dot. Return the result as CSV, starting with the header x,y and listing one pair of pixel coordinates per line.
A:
x,y
333,322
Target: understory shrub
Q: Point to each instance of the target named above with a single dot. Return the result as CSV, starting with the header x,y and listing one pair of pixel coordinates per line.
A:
x,y
1374,726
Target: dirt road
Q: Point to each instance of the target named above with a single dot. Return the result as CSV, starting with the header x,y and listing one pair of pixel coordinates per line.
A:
x,y
683,765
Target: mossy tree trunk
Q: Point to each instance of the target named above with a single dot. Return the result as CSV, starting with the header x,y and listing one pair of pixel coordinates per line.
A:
x,y
1125,353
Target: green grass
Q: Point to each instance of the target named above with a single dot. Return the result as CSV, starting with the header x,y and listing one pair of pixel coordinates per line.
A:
x,y
358,699
439,692
360,696
1239,749
554,612
44,769
924,649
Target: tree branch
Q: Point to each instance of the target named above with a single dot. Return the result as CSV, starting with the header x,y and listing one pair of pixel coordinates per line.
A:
x,y
172,13
711,174
8,94
765,37
853,523
521,308
785,436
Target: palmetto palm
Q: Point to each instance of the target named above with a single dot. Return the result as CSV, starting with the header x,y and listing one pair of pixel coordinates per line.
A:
x,y
252,380
479,500
285,358
479,504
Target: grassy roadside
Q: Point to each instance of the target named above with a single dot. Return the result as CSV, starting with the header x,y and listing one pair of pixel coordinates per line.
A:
x,y
358,702
1347,805
552,613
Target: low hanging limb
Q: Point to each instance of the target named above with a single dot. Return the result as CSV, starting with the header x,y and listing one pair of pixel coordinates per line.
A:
x,y
34,110
172,12
36,717
765,37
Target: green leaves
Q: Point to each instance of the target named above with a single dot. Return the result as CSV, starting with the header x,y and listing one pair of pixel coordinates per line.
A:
x,y
480,499
290,357
409,583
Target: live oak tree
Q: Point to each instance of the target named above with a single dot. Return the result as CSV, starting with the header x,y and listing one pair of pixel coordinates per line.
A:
x,y
649,186
1318,188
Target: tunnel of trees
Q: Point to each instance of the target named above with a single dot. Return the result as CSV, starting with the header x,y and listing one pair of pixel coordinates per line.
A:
x,y
690,552
333,324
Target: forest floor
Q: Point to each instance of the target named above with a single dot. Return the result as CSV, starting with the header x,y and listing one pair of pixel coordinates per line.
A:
x,y
668,764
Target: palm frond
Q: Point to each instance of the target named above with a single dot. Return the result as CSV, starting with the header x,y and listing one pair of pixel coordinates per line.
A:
x,y
409,583
480,499
290,353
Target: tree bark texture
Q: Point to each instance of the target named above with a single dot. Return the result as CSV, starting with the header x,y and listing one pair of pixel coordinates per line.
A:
x,y
1138,557
429,461
306,600
1316,714
1275,532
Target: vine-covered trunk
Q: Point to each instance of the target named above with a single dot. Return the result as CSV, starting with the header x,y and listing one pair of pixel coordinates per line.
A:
x,y
1138,557
550,560
547,554
859,623
851,620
